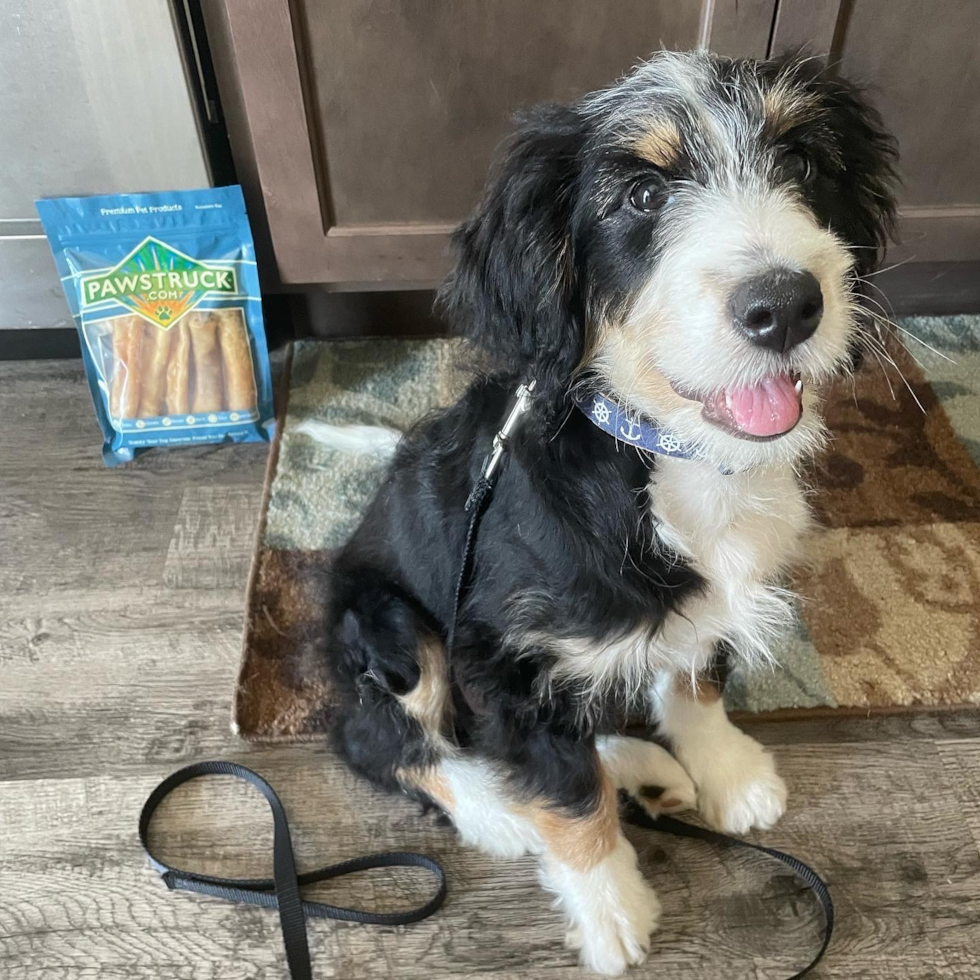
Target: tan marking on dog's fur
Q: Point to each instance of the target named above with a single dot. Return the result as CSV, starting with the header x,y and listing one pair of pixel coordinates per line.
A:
x,y
704,690
785,105
621,352
660,143
580,842
430,781
429,702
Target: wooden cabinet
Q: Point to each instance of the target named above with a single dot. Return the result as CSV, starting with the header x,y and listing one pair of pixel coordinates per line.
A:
x,y
921,65
362,129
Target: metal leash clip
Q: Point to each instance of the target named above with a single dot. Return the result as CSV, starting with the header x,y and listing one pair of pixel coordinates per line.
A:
x,y
521,405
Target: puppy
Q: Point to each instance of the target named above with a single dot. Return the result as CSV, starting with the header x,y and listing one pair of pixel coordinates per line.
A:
x,y
676,263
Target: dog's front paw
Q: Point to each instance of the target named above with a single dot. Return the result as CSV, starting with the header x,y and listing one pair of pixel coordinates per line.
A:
x,y
739,788
611,910
619,939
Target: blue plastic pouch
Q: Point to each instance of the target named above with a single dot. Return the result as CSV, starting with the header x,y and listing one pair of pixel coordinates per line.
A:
x,y
165,294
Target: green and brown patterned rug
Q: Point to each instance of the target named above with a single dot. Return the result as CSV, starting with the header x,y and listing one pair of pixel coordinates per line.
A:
x,y
891,618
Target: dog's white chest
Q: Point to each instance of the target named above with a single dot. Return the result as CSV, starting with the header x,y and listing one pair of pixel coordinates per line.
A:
x,y
740,531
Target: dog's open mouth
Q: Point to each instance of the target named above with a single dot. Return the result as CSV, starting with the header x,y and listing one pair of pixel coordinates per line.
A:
x,y
766,410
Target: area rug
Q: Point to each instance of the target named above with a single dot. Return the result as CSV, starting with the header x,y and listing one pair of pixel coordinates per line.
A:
x,y
891,615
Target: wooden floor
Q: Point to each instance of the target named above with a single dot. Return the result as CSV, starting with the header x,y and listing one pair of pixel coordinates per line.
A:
x,y
121,596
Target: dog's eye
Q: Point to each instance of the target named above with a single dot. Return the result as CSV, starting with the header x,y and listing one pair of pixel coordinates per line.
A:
x,y
646,195
797,166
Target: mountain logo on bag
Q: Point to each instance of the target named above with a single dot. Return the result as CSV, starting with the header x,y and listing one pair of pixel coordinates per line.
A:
x,y
157,282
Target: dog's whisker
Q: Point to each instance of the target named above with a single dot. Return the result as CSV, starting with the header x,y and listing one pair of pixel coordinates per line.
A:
x,y
895,326
919,340
885,321
884,374
884,353
882,328
887,268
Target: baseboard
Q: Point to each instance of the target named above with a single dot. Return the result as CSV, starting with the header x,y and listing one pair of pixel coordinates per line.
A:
x,y
925,288
931,288
51,342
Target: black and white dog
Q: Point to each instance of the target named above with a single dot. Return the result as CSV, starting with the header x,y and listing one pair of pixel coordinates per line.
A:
x,y
675,261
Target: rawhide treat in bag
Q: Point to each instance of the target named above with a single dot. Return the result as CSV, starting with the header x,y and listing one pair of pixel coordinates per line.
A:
x,y
165,294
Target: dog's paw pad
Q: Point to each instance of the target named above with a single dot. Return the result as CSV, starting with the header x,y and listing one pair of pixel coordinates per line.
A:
x,y
668,799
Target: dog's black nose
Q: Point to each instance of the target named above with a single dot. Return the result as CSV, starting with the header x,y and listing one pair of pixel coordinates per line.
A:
x,y
778,309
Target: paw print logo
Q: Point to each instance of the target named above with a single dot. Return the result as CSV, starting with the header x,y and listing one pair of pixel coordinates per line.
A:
x,y
600,411
164,314
669,443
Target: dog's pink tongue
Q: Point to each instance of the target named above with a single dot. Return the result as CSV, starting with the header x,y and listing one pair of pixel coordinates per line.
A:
x,y
766,409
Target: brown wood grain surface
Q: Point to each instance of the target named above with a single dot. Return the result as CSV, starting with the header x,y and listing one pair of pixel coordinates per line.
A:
x,y
363,129
121,599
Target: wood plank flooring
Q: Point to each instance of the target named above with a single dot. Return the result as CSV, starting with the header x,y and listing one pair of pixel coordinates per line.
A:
x,y
121,596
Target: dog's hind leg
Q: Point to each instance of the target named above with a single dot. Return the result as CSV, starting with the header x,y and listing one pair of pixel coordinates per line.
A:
x,y
391,676
648,772
527,789
585,859
396,724
484,810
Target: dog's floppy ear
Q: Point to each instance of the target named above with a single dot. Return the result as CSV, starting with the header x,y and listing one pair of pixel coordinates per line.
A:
x,y
868,155
513,290
865,207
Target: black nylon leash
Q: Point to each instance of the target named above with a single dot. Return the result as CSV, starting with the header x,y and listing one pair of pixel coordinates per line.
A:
x,y
476,501
474,507
635,814
281,891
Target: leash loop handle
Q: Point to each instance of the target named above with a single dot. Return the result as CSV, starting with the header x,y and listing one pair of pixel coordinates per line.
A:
x,y
281,891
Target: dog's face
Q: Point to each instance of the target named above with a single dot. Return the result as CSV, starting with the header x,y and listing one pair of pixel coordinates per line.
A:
x,y
694,235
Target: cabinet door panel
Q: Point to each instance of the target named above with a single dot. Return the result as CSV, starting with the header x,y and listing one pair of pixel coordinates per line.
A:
x,y
921,65
363,128
924,63
411,97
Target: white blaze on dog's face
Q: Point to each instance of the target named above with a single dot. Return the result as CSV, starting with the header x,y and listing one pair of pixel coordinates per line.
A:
x,y
695,235
734,201
746,308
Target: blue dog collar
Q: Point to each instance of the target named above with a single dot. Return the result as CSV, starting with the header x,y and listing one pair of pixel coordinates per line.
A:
x,y
612,418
